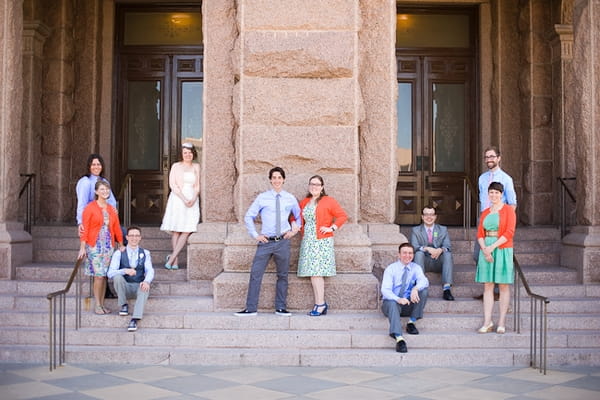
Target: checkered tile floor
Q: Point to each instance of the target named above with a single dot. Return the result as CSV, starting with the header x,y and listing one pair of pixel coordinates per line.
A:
x,y
19,381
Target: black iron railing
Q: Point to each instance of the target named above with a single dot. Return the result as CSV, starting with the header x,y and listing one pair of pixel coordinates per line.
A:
x,y
28,189
538,320
57,317
564,191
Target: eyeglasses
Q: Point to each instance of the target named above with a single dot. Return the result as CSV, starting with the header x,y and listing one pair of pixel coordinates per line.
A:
x,y
134,235
492,157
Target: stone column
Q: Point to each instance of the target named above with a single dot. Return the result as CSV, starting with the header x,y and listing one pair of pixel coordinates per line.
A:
x,y
581,248
298,105
15,243
34,36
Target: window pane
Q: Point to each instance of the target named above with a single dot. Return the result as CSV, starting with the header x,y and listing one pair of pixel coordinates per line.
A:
x,y
449,127
428,30
143,125
405,128
191,114
163,28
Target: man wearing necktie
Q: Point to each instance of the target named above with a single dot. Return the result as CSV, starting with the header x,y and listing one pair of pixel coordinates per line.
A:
x,y
433,249
274,207
493,174
404,289
132,273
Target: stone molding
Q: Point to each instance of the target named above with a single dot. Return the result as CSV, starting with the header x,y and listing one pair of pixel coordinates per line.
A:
x,y
565,36
35,34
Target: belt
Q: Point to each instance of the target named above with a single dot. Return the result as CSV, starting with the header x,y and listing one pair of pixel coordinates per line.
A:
x,y
274,238
491,233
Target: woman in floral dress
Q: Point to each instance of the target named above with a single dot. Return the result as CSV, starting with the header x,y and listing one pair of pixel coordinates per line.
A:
x,y
100,229
322,216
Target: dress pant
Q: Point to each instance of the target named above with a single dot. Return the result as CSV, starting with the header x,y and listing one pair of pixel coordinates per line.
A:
x,y
393,311
280,250
130,290
443,264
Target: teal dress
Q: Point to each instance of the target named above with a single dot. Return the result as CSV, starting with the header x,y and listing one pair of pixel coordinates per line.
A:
x,y
501,269
316,255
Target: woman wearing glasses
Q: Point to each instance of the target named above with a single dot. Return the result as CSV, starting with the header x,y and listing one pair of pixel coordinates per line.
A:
x,y
182,213
322,216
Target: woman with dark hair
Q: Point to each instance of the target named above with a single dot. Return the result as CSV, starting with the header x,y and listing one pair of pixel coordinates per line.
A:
x,y
322,216
183,212
86,186
100,229
495,265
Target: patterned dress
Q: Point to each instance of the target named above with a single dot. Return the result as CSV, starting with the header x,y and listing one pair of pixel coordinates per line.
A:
x,y
501,269
99,256
316,255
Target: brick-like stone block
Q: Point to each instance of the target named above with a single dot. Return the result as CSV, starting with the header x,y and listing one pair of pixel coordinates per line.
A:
x,y
344,292
299,54
299,102
299,14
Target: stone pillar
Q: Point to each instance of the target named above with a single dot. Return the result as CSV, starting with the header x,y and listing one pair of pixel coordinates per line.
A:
x,y
581,248
58,112
15,243
298,105
34,36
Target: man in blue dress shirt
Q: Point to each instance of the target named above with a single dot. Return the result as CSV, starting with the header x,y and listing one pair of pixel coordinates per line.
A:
x,y
404,288
274,207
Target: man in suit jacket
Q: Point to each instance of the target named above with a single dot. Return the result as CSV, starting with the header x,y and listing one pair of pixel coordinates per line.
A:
x,y
433,249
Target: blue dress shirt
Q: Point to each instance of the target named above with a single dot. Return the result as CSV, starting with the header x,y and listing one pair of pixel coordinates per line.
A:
x,y
86,193
508,196
265,206
392,280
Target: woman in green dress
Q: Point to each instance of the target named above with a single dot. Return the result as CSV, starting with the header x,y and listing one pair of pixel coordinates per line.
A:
x,y
495,266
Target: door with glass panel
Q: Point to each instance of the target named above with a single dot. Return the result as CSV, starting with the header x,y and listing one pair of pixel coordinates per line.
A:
x,y
436,118
158,103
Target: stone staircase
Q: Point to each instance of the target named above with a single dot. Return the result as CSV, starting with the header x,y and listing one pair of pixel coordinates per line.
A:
x,y
181,327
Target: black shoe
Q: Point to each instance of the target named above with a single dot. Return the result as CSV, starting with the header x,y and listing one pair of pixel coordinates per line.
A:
x,y
245,313
124,309
132,327
411,329
401,347
448,295
283,312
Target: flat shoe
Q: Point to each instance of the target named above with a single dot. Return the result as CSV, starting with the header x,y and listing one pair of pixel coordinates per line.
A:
x,y
501,330
486,329
99,310
174,266
168,266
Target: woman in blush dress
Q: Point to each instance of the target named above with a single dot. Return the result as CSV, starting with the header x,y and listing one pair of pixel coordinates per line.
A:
x,y
495,265
101,229
322,216
183,212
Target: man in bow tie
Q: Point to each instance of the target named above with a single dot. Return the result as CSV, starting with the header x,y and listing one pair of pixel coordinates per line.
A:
x,y
433,249
132,273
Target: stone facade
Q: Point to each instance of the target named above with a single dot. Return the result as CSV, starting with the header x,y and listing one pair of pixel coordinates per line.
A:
x,y
309,85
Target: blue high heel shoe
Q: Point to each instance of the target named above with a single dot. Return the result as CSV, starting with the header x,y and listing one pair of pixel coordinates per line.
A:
x,y
315,311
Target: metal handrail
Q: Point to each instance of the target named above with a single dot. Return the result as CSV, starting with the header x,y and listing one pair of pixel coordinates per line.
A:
x,y
125,194
57,317
29,188
538,320
564,190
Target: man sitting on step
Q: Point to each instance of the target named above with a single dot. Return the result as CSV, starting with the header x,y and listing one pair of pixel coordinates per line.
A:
x,y
404,288
132,273
432,249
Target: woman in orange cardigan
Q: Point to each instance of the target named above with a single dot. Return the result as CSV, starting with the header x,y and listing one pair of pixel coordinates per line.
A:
x,y
100,227
495,236
322,216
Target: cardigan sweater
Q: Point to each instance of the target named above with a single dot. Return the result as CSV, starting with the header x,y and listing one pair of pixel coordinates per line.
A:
x,y
93,221
176,178
506,227
327,212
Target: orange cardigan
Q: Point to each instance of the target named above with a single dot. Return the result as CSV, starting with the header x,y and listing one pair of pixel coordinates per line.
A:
x,y
92,222
506,228
328,210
